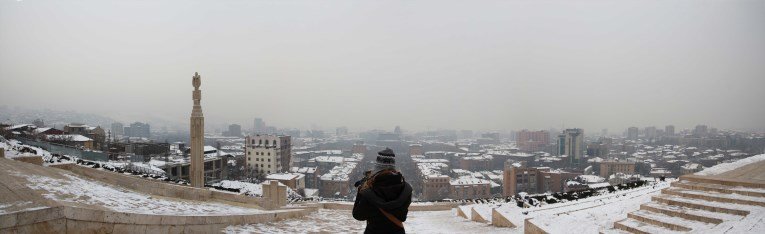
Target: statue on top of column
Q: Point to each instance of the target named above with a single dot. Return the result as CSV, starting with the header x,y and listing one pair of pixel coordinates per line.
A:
x,y
196,81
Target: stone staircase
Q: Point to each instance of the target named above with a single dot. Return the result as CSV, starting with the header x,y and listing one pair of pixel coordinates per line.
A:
x,y
695,204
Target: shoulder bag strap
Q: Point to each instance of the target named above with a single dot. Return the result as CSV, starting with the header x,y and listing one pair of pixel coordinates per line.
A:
x,y
392,218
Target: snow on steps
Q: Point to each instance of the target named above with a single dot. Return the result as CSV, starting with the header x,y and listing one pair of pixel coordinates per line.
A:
x,y
689,213
613,231
634,226
695,206
723,181
698,204
669,222
715,196
754,192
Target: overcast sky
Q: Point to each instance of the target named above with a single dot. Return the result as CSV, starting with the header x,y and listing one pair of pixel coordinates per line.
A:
x,y
377,64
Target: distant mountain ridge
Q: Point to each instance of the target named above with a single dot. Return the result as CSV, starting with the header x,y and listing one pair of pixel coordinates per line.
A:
x,y
18,115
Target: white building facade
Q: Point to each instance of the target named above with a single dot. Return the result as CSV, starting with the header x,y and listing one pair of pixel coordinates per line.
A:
x,y
268,154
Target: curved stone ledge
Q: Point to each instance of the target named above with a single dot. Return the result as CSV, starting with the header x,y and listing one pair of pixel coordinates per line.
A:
x,y
78,220
164,189
413,207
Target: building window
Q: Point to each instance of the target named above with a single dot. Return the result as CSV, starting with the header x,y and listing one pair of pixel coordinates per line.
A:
x,y
269,160
274,142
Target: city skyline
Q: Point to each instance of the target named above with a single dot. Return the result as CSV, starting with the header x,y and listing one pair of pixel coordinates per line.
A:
x,y
348,116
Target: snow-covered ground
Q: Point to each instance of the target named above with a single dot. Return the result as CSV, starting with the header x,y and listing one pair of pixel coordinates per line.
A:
x,y
14,148
596,214
724,167
76,190
588,215
341,221
252,189
249,189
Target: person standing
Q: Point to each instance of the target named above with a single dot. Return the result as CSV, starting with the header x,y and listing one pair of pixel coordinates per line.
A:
x,y
383,199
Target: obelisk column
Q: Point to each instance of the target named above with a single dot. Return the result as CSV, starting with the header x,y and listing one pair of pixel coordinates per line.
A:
x,y
197,136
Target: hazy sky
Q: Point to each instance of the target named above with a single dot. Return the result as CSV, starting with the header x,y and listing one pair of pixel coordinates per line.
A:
x,y
377,64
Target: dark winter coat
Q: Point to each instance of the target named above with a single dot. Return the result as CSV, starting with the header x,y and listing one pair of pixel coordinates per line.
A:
x,y
394,199
360,182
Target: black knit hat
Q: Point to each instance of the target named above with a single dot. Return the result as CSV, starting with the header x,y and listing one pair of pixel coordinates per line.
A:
x,y
386,159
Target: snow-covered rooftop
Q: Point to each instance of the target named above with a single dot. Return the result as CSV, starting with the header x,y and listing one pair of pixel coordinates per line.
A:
x,y
340,172
285,176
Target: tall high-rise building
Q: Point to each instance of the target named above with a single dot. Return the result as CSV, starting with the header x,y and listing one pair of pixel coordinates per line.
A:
x,y
267,154
632,133
259,126
571,143
138,129
117,129
669,130
341,131
650,132
234,130
700,130
532,140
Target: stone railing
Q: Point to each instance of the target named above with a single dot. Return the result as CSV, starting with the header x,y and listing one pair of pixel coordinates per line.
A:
x,y
413,207
37,160
274,195
65,219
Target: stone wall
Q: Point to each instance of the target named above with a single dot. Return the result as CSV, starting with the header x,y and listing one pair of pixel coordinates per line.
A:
x,y
47,216
160,188
80,220
37,160
413,207
530,228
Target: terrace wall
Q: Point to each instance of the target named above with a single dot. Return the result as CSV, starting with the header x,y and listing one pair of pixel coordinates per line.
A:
x,y
161,188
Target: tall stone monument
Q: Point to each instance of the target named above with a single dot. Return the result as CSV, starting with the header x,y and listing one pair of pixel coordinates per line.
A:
x,y
197,136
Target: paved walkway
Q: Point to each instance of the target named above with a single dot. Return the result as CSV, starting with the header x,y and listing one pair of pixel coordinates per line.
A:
x,y
341,221
15,196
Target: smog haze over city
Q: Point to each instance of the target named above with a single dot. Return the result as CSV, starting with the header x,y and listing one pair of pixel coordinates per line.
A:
x,y
417,116
487,65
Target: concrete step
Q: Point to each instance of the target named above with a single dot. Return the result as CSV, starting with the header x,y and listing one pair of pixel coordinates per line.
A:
x,y
637,227
754,192
689,213
714,196
669,222
723,181
613,231
698,204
